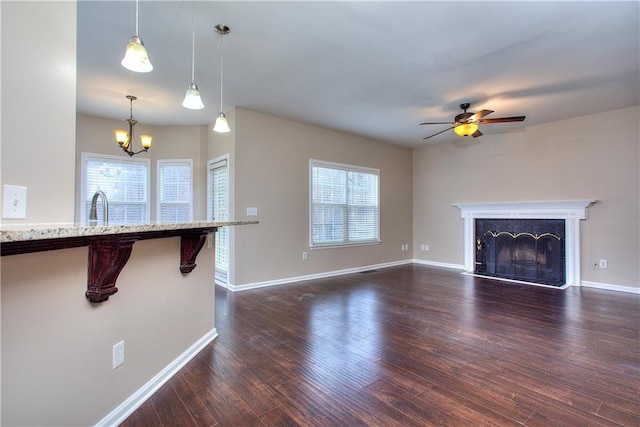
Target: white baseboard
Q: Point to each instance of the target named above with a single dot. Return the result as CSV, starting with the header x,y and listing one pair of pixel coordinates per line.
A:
x,y
439,264
133,402
255,285
610,287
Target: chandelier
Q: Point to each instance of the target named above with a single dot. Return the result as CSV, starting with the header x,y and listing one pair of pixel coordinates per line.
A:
x,y
124,138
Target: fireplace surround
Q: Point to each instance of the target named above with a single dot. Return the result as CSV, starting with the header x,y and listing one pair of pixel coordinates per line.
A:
x,y
571,212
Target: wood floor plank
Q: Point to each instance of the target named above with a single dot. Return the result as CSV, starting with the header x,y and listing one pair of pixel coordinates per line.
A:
x,y
144,416
170,408
411,346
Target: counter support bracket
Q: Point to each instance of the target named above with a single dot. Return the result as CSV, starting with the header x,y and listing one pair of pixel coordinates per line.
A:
x,y
107,257
190,245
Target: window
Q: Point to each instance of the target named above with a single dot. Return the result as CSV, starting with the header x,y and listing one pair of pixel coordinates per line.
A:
x,y
125,182
345,208
218,210
175,191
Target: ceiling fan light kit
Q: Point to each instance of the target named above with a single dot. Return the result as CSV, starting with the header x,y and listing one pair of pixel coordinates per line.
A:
x,y
466,129
467,124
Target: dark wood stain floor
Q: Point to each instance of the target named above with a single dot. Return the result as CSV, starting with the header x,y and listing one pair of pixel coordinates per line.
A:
x,y
410,346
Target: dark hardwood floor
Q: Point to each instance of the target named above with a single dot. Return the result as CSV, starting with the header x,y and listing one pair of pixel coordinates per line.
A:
x,y
410,346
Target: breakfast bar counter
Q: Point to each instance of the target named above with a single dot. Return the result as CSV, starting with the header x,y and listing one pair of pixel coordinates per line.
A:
x,y
109,246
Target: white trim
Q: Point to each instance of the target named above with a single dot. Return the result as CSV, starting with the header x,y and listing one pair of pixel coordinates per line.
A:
x,y
255,285
439,264
237,288
610,287
572,211
133,402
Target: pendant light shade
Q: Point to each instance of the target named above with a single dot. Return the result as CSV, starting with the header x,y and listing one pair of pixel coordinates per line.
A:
x,y
192,98
135,56
221,125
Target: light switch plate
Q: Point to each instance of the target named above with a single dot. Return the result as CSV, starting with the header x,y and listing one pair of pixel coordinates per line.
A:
x,y
14,202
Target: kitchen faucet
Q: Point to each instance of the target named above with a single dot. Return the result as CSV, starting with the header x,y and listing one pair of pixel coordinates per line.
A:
x,y
93,213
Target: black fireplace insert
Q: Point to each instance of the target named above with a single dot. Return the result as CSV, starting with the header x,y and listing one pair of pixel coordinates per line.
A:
x,y
530,250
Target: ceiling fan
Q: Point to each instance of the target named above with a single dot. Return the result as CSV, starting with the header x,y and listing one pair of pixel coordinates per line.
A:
x,y
466,124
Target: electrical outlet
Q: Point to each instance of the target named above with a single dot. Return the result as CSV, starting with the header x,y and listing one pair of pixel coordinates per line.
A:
x,y
118,354
426,247
252,211
209,240
304,256
603,263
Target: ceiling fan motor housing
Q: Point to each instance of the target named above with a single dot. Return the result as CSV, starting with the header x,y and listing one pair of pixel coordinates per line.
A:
x,y
463,117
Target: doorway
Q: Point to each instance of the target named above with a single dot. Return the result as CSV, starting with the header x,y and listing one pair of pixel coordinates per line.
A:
x,y
218,210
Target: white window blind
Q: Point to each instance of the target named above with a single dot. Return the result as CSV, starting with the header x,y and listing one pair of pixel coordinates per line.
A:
x,y
175,191
125,182
219,211
345,205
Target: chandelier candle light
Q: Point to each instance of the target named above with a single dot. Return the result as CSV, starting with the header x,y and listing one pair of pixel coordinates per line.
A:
x,y
192,98
135,56
221,125
124,138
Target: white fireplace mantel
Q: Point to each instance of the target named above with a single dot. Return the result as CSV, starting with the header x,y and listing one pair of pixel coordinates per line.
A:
x,y
572,211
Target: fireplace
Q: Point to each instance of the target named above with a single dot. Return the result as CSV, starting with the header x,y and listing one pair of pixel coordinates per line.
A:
x,y
533,242
531,250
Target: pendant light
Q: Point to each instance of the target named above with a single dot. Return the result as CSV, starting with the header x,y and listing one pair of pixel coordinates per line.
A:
x,y
124,138
221,125
135,56
192,98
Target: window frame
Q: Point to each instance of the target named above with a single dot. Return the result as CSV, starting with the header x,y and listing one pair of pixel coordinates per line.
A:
x,y
177,162
86,157
347,168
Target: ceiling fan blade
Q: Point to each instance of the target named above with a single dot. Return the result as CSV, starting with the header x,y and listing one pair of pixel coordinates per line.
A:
x,y
437,123
438,133
503,119
476,134
480,114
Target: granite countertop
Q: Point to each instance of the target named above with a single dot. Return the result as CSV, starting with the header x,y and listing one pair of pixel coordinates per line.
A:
x,y
22,233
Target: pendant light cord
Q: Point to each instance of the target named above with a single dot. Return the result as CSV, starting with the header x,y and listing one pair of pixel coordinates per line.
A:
x,y
137,34
193,43
221,69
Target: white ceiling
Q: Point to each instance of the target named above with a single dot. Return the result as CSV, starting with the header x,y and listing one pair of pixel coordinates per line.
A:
x,y
375,69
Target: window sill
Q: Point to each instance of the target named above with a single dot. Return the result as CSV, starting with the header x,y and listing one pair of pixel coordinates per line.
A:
x,y
344,245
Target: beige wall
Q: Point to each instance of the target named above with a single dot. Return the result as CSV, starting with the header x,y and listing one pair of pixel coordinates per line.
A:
x,y
95,135
56,346
272,173
589,157
39,106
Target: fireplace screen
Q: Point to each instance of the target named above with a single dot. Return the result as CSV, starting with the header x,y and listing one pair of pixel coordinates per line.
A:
x,y
530,250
